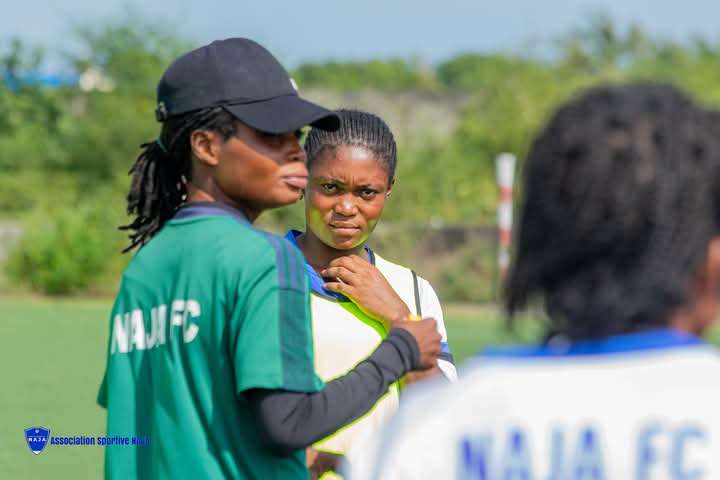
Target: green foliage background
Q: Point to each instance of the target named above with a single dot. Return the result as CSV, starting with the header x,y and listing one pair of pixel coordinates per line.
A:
x,y
65,153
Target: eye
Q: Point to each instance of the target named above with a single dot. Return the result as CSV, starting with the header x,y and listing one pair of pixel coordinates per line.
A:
x,y
329,187
271,136
368,193
279,138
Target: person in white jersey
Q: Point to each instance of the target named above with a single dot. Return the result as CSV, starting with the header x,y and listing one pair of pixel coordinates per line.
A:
x,y
619,239
354,290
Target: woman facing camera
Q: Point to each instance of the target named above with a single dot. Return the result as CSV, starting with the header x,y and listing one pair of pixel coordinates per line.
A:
x,y
356,292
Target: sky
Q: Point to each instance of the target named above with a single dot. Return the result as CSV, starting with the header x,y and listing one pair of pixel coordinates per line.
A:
x,y
319,30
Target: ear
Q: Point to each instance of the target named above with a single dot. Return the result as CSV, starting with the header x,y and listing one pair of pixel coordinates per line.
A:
x,y
205,145
706,293
710,271
389,190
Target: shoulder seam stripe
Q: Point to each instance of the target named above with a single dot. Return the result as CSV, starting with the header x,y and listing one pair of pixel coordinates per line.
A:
x,y
290,265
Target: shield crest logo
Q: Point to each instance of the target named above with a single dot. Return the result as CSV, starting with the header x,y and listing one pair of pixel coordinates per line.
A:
x,y
37,438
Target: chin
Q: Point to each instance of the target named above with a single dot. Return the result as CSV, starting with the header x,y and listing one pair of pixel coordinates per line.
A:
x,y
281,199
344,243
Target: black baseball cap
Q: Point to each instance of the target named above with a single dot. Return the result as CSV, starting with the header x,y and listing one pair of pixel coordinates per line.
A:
x,y
245,79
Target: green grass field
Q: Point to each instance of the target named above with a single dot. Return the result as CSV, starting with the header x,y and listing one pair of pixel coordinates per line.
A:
x,y
53,355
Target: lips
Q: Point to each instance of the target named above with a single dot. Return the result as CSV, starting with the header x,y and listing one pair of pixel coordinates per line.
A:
x,y
343,225
344,228
296,181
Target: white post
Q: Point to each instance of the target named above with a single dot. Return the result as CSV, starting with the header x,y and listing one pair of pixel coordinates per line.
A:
x,y
505,167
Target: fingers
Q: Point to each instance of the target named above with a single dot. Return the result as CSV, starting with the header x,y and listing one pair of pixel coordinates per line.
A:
x,y
430,322
353,263
334,286
342,273
339,287
346,262
352,270
428,338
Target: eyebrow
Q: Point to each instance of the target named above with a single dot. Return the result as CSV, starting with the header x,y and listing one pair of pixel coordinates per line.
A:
x,y
375,186
328,179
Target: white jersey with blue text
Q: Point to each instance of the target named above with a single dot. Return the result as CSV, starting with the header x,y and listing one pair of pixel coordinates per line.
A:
x,y
642,406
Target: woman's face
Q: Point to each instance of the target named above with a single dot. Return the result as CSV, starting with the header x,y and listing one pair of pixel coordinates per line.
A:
x,y
345,196
261,170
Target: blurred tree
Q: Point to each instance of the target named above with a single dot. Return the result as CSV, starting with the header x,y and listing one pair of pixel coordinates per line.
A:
x,y
393,74
70,146
103,138
601,48
132,52
472,71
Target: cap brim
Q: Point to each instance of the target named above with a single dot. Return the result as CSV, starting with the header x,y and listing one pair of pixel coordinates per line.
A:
x,y
284,114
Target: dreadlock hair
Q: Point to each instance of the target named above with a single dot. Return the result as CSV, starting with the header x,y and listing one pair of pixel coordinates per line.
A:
x,y
162,169
621,201
357,129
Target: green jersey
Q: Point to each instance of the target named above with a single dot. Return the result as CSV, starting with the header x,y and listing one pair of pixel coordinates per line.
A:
x,y
208,309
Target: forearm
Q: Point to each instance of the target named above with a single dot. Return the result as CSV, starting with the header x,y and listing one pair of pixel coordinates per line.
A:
x,y
289,421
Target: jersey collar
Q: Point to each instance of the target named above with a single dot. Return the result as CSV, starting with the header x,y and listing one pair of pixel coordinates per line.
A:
x,y
208,209
316,281
631,342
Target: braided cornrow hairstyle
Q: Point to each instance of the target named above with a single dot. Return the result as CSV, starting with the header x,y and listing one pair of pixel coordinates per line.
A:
x,y
357,129
621,199
162,169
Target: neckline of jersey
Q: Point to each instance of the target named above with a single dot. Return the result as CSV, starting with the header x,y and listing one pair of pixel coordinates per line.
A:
x,y
653,340
316,281
208,209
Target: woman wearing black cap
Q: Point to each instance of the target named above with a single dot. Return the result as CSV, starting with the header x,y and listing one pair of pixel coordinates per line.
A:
x,y
210,346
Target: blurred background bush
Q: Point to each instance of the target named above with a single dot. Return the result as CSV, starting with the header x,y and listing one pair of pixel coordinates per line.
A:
x,y
66,144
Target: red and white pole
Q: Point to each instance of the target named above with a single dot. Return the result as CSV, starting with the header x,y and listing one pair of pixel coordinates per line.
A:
x,y
505,167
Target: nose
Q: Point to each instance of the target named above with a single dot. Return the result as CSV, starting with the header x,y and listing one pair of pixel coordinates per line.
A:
x,y
346,206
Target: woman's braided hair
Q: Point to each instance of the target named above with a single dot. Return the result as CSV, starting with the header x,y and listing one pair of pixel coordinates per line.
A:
x,y
621,199
360,129
162,169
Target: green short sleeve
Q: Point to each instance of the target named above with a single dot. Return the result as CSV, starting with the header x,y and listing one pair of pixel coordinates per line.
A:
x,y
102,399
271,326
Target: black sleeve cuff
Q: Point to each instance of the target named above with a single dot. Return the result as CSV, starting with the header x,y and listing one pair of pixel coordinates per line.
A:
x,y
406,346
288,421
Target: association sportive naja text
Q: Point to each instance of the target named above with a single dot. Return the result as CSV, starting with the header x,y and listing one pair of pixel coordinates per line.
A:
x,y
102,440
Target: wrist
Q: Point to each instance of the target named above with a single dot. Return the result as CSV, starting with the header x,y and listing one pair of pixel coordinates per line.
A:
x,y
399,313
